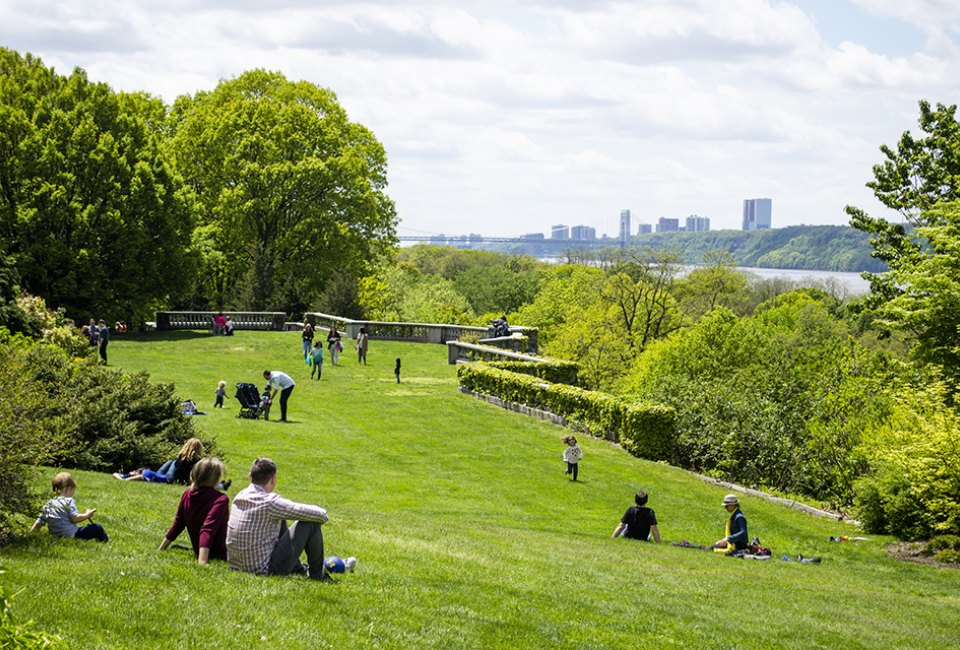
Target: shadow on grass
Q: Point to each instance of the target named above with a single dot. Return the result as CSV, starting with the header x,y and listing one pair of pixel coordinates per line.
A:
x,y
165,335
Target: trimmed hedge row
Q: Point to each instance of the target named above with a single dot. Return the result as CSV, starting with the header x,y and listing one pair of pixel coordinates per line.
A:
x,y
556,372
645,430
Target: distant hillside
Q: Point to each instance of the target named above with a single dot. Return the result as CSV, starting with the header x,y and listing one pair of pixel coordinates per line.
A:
x,y
811,248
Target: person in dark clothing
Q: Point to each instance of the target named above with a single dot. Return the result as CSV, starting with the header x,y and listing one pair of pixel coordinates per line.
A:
x,y
736,538
203,512
639,521
104,339
396,370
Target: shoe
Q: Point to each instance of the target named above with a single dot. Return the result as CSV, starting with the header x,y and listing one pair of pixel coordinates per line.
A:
x,y
350,563
225,485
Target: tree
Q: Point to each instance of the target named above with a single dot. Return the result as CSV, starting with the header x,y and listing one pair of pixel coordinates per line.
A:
x,y
920,294
715,284
293,190
919,174
90,209
639,287
927,303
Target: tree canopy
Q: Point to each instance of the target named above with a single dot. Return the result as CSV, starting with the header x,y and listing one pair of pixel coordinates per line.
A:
x,y
291,191
91,211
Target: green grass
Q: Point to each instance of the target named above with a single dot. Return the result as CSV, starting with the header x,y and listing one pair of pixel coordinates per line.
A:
x,y
467,532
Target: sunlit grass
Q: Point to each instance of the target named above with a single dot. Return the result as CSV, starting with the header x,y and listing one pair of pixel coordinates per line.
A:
x,y
467,531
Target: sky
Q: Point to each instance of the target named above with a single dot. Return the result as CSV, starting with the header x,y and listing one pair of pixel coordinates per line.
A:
x,y
505,117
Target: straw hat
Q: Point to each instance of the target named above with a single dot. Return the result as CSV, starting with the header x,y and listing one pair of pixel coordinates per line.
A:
x,y
730,500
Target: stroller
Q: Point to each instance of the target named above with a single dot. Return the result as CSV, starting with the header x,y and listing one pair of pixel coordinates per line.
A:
x,y
251,405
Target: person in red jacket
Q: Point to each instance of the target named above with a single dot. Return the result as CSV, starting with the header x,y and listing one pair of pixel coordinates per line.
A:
x,y
203,511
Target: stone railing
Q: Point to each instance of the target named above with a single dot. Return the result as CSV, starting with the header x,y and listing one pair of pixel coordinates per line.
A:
x,y
199,320
460,351
422,332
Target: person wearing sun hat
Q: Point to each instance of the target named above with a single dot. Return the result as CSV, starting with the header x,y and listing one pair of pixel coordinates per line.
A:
x,y
736,534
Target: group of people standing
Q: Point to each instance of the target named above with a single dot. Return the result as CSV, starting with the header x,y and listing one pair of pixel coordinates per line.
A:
x,y
99,336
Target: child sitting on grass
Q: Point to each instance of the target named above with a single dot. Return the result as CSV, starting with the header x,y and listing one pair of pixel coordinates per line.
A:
x,y
61,516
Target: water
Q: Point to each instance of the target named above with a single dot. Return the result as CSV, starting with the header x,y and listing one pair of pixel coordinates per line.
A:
x,y
851,282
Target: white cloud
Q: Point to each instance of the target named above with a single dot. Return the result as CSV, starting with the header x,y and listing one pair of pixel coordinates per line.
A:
x,y
506,116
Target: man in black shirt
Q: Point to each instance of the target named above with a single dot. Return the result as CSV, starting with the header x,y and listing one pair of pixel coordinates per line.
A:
x,y
639,521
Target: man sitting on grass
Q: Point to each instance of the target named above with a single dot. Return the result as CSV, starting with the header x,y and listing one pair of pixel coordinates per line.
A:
x,y
258,539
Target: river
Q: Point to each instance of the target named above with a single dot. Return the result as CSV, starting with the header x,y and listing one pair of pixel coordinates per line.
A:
x,y
852,282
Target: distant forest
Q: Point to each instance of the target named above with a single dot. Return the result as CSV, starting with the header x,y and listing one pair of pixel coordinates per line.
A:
x,y
810,248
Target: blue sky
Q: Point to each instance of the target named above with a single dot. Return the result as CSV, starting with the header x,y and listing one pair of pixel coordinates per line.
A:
x,y
507,116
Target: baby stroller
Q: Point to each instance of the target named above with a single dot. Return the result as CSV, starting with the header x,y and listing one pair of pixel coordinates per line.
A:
x,y
250,402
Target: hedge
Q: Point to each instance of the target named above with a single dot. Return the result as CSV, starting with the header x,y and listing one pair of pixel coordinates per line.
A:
x,y
556,372
645,430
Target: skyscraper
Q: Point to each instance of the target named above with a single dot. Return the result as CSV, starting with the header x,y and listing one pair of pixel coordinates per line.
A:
x,y
757,214
696,223
666,224
560,231
624,225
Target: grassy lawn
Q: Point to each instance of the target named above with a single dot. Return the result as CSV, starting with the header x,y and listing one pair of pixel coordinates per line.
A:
x,y
468,533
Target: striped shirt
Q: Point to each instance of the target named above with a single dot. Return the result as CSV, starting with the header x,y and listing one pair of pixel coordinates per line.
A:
x,y
255,523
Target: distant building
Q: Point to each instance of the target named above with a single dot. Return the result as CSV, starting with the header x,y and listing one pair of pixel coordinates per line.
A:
x,y
696,223
560,232
644,229
583,232
624,225
475,238
757,214
439,240
665,224
534,236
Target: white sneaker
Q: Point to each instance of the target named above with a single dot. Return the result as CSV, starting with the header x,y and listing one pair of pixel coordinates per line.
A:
x,y
350,563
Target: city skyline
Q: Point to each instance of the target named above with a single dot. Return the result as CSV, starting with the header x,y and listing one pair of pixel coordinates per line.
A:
x,y
520,115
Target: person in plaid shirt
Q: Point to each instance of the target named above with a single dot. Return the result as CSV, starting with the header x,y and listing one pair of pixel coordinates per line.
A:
x,y
258,539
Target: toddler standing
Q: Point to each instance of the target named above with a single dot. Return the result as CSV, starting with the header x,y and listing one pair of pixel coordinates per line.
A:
x,y
316,359
61,516
572,455
221,393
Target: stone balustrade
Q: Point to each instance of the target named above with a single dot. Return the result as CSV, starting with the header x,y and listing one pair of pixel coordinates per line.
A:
x,y
422,332
460,351
199,320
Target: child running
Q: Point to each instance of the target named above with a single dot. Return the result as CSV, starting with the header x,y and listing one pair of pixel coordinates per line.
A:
x,y
572,455
61,516
221,393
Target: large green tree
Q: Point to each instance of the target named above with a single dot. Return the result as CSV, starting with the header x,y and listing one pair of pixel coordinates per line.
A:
x,y
292,190
90,210
920,293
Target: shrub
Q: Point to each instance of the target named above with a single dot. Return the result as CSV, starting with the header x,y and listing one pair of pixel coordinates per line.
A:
x,y
913,487
555,372
645,430
948,556
942,543
115,420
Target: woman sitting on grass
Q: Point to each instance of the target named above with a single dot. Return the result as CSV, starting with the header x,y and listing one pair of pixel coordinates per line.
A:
x,y
203,511
172,471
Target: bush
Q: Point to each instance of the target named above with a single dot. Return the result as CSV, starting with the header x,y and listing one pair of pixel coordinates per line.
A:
x,y
645,430
556,372
114,420
948,556
913,487
942,543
